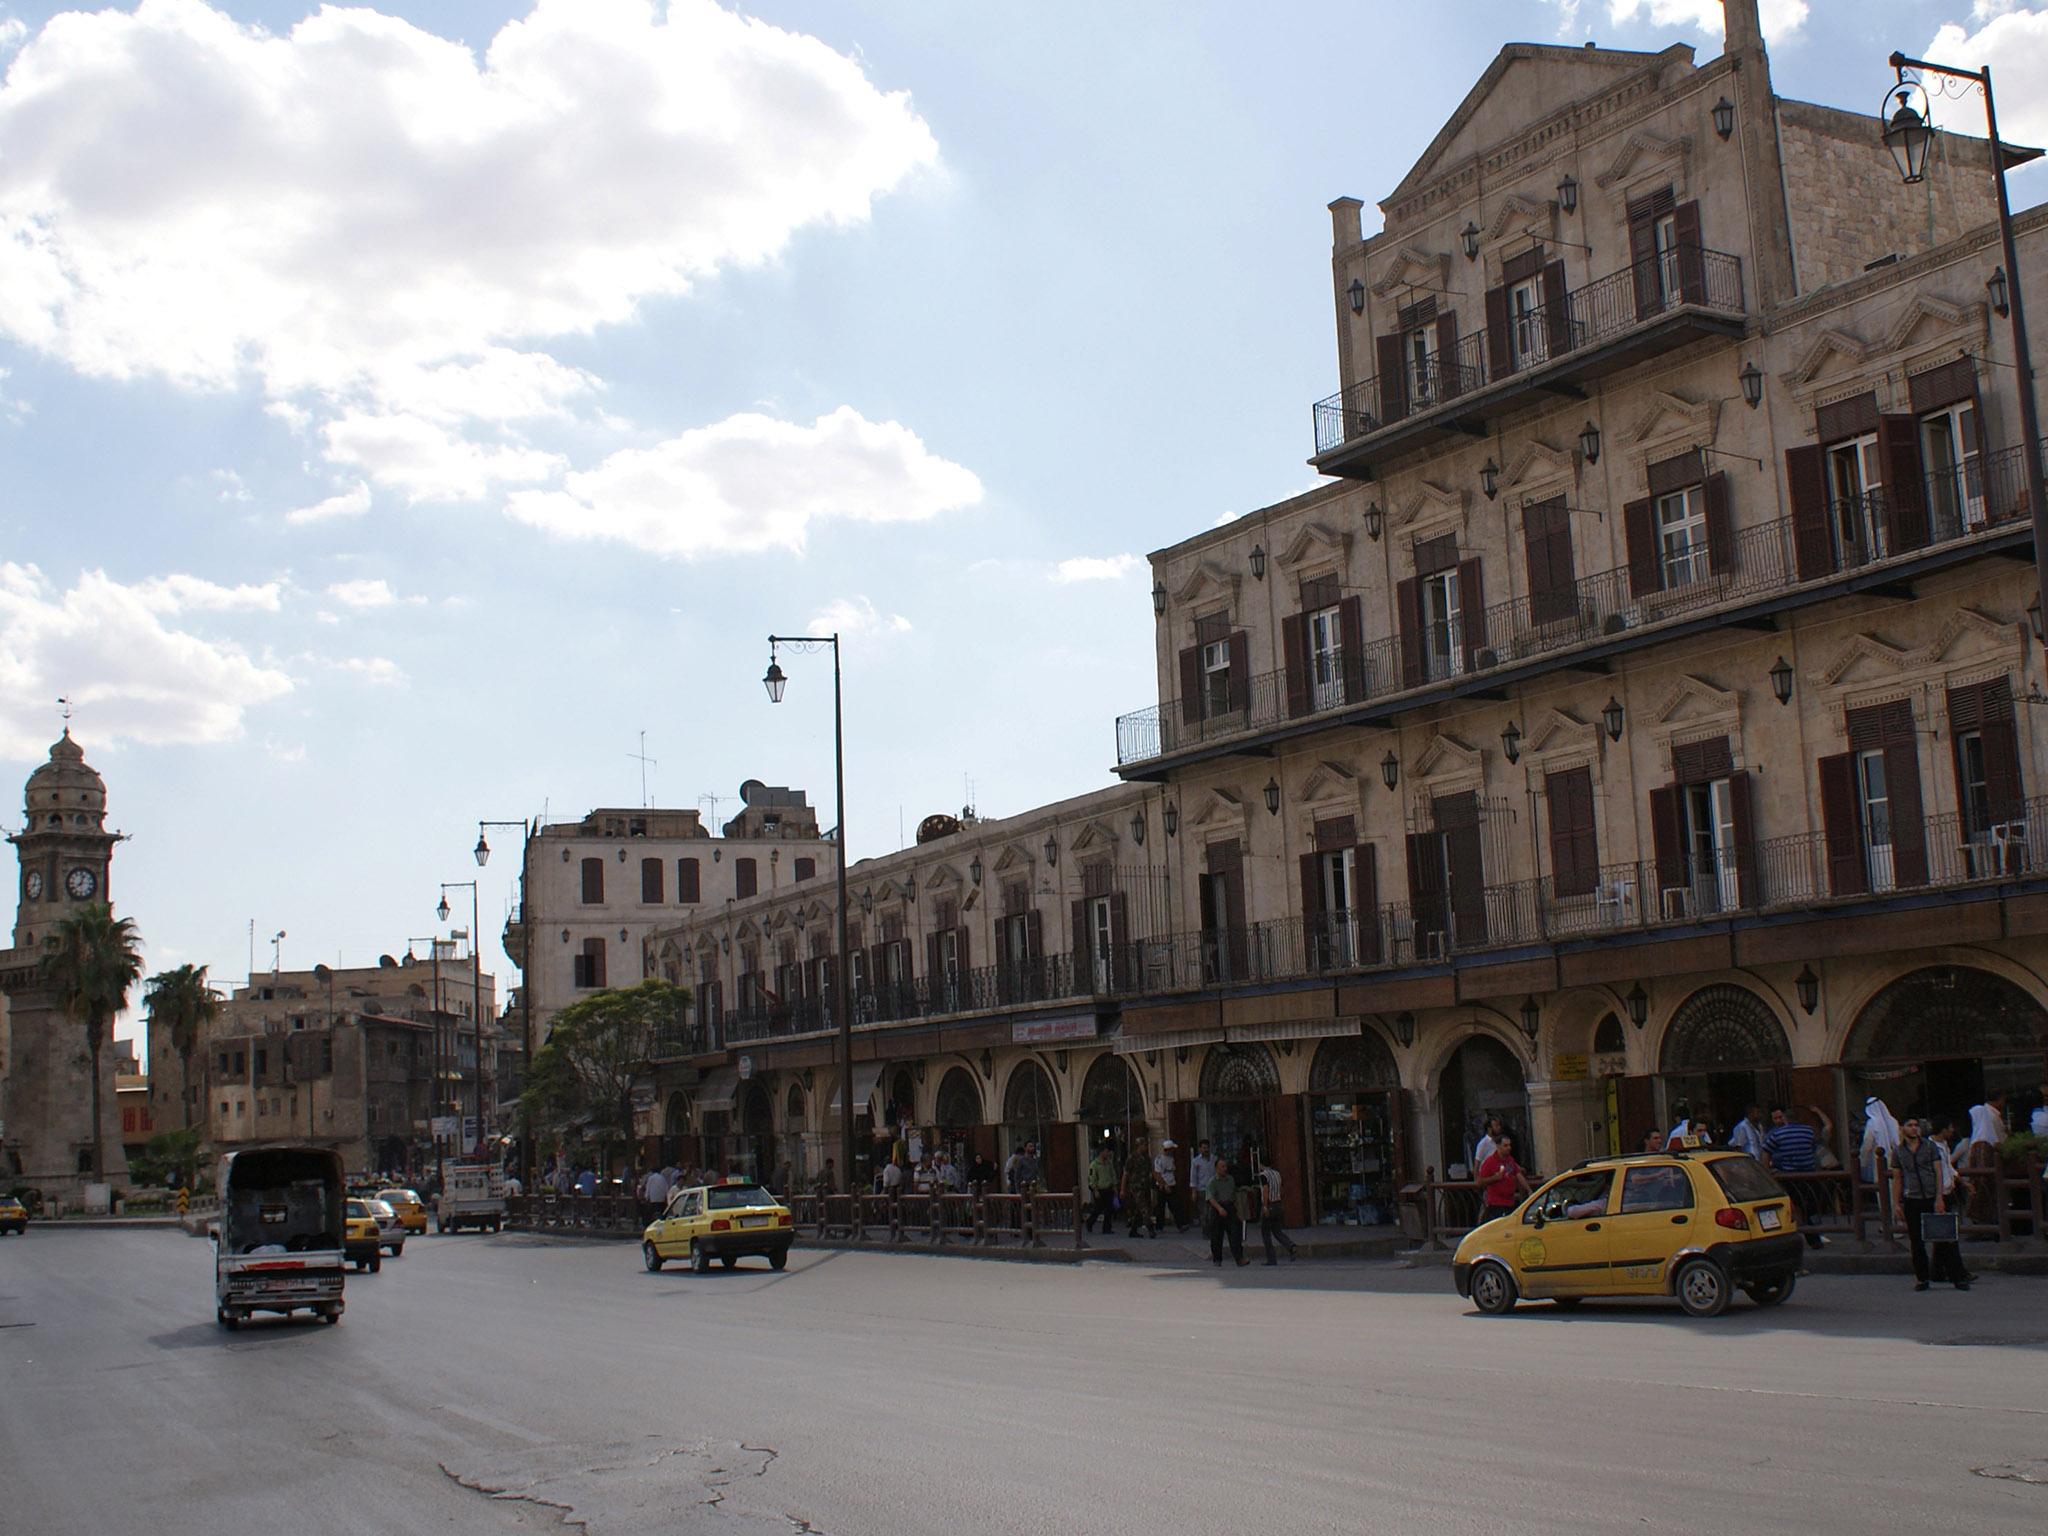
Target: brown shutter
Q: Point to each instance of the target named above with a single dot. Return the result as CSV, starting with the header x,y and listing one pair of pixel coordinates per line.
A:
x,y
1500,350
688,884
593,881
806,869
746,878
1351,636
650,880
1191,686
1425,884
1083,951
932,968
1905,482
1720,525
1692,263
1645,568
1701,762
1847,418
1547,535
1034,934
1294,646
1311,886
1742,812
1557,310
1468,879
1665,840
1120,939
1366,901
1642,255
1948,384
1806,485
1909,828
1408,611
1842,826
1240,671
1393,380
1450,376
1574,851
1472,610
1637,1103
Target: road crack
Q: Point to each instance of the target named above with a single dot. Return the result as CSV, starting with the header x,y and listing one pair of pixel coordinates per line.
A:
x,y
643,1487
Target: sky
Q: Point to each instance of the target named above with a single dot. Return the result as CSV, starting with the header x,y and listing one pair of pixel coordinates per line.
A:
x,y
403,408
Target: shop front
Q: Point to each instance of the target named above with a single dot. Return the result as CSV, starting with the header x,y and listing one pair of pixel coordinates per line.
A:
x,y
1030,1114
867,1075
1942,1039
1723,1051
1356,1132
1112,1107
957,1120
1482,1079
1238,1081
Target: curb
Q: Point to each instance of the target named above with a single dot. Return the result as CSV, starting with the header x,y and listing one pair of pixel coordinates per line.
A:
x,y
104,1223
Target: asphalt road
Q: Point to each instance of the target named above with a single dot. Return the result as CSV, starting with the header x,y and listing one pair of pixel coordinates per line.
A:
x,y
871,1393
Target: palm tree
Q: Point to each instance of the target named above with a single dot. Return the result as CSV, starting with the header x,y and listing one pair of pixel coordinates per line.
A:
x,y
90,961
181,1001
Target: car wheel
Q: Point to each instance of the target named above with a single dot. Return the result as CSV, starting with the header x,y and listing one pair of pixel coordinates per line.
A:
x,y
330,1315
779,1259
1772,1293
650,1258
1702,1288
700,1258
398,1250
1567,1303
1493,1288
376,1262
729,1260
225,1318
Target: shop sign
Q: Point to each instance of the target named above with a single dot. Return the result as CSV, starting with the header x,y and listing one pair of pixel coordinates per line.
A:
x,y
1073,1026
1611,1064
1569,1067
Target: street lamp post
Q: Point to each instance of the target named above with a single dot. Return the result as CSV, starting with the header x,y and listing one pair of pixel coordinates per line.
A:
x,y
483,857
436,1105
775,681
1908,134
476,992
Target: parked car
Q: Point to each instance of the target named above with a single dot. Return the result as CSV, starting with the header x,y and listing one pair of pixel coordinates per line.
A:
x,y
412,1213
362,1241
13,1215
726,1222
391,1229
1694,1225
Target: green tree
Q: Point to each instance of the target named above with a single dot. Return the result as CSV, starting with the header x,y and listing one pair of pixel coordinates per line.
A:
x,y
90,961
580,1084
181,1000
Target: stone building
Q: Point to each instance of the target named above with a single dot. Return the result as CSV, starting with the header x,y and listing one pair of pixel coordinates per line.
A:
x,y
1633,720
65,856
592,890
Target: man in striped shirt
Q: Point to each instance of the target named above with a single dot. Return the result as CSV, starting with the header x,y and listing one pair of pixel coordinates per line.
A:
x,y
1793,1146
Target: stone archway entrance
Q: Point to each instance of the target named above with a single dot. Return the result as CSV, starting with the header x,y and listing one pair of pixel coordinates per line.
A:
x,y
1942,1038
1724,1051
1356,1130
1237,1083
1483,1078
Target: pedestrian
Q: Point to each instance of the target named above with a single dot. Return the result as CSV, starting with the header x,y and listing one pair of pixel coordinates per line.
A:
x,y
1917,1180
653,1194
1272,1213
1488,1139
1792,1146
1141,1209
1502,1184
1681,1127
828,1180
1220,1203
1165,1186
1653,1140
1201,1169
1010,1169
785,1178
1024,1170
2038,1122
980,1172
1987,1127
1748,1135
1101,1191
586,1181
1881,1133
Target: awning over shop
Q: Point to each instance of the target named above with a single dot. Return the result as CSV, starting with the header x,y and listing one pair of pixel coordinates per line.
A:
x,y
1172,1040
715,1093
1240,1034
865,1075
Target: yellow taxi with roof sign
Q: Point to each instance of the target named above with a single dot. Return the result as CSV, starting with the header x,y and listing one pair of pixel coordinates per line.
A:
x,y
727,1222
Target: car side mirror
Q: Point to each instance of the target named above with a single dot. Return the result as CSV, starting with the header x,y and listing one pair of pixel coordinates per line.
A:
x,y
1537,1219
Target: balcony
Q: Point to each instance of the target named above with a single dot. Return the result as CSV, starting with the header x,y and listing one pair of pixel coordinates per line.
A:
x,y
1608,325
1855,547
983,989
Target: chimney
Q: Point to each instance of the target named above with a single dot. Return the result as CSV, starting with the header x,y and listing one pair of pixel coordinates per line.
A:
x,y
1742,27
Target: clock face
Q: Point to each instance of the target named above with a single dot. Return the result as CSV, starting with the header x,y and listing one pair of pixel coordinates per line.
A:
x,y
81,882
34,885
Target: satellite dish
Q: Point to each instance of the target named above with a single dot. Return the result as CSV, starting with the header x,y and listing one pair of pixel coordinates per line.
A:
x,y
386,963
322,973
749,789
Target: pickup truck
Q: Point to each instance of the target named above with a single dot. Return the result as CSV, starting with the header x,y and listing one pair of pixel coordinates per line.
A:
x,y
472,1195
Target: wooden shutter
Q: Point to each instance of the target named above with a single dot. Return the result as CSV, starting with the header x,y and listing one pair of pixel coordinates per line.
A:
x,y
746,878
1986,708
1841,825
1450,376
1636,1107
1425,884
1294,646
1191,686
1909,827
806,869
1645,567
1120,968
1574,849
1703,761
1547,540
1742,813
650,880
688,882
1232,880
1351,636
1472,610
933,970
1692,261
1905,482
1720,524
593,882
1948,384
1500,346
1240,671
1557,310
1642,255
1408,607
1666,842
1393,382
1284,1144
1468,880
1806,485
1365,871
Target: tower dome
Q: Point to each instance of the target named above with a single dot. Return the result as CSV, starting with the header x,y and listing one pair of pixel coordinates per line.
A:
x,y
66,787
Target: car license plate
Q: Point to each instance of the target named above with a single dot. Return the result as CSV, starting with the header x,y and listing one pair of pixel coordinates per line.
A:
x,y
754,1221
1770,1220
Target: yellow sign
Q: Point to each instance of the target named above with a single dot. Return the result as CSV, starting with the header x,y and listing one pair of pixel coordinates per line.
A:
x,y
1569,1067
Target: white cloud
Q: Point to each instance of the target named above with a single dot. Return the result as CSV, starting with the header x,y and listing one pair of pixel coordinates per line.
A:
x,y
1097,567
232,486
752,483
1781,18
283,752
382,227
379,671
180,594
2018,39
106,647
353,502
854,616
368,593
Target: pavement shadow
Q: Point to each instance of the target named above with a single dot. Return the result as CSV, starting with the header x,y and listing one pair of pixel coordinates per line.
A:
x,y
260,1331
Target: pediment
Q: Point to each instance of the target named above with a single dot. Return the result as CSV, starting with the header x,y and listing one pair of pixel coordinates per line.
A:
x,y
1447,755
1522,215
1219,807
1556,730
1539,462
1329,781
1694,698
1863,659
941,877
1208,578
1970,633
1096,834
748,929
1643,152
1845,352
1014,856
1929,321
1415,268
1316,541
1433,503
1665,415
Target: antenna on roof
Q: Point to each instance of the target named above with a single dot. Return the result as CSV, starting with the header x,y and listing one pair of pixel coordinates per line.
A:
x,y
646,762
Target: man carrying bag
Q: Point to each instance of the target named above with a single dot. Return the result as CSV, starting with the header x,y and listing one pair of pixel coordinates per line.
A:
x,y
1917,1189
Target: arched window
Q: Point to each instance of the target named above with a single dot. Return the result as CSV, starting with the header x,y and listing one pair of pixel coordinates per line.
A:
x,y
959,1102
676,1121
1607,1038
1239,1072
1947,1012
1029,1098
793,1108
757,1117
1352,1064
902,1095
1109,1093
1724,1027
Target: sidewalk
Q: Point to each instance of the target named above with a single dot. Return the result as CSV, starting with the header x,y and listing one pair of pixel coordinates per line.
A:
x,y
1190,1247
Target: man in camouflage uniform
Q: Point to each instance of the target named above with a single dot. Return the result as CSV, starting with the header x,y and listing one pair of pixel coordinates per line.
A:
x,y
1136,1188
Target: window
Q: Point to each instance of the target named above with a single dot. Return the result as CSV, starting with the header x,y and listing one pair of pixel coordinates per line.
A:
x,y
687,887
746,879
806,869
1337,877
1326,658
1742,1180
1955,479
262,1061
1708,812
1973,784
1682,536
650,881
1525,314
240,1063
1574,845
1874,807
636,826
1442,623
1664,240
1418,351
593,882
1661,1188
1216,677
588,964
1100,939
1855,480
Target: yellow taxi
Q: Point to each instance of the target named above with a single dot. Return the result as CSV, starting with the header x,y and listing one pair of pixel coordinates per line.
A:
x,y
362,1240
13,1215
405,1203
1697,1225
726,1222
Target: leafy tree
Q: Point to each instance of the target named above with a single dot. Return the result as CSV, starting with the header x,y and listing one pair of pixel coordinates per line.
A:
x,y
182,1001
168,1152
579,1086
90,961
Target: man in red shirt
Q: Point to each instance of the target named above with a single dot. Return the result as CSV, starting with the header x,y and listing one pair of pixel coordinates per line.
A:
x,y
1502,1184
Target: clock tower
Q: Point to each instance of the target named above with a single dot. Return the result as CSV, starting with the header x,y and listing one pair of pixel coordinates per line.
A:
x,y
64,855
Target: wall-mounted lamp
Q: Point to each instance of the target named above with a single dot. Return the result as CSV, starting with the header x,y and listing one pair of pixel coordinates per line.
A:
x,y
1638,1005
1404,1028
1611,718
1180,1054
2034,623
867,899
910,889
974,869
1138,828
1258,562
622,935
1589,443
1568,194
1489,478
565,935
920,1072
988,1066
1375,520
1171,817
1724,118
1511,743
1469,238
1159,599
2001,292
1059,1059
1356,294
1808,986
1272,796
1532,1018
1390,770
1052,850
725,944
1781,680
1752,381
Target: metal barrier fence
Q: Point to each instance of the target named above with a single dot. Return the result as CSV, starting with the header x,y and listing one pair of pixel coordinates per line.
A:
x,y
974,1219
